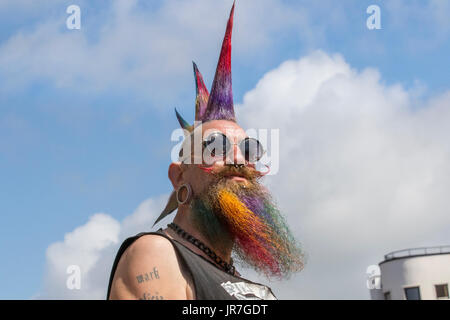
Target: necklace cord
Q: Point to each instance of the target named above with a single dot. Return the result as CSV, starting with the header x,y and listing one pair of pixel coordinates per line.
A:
x,y
228,267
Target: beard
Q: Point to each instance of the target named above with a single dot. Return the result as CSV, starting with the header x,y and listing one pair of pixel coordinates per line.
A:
x,y
243,215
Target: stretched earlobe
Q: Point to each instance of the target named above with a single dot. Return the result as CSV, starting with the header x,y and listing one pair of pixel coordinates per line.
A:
x,y
176,174
188,197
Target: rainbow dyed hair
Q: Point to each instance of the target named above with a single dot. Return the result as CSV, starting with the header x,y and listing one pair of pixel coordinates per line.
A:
x,y
219,104
261,237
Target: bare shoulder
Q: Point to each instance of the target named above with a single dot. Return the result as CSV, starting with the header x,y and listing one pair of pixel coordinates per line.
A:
x,y
149,270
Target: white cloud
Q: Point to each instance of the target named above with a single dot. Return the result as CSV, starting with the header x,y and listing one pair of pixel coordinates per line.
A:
x,y
122,46
363,168
363,171
82,247
93,247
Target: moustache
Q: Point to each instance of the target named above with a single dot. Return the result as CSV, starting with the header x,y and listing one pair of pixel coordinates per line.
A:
x,y
230,170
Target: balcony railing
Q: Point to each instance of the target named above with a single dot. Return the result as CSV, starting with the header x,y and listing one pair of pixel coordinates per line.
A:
x,y
417,252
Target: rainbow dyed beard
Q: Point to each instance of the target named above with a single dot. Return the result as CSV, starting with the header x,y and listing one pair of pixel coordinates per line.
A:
x,y
243,215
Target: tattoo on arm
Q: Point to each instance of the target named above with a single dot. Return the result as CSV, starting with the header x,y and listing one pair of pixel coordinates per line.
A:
x,y
150,296
148,276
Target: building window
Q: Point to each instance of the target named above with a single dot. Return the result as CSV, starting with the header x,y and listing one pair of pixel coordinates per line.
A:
x,y
387,295
412,293
441,290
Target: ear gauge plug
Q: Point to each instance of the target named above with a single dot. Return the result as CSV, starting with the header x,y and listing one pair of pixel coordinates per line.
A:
x,y
188,196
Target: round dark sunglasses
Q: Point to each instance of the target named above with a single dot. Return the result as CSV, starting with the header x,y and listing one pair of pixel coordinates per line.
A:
x,y
219,145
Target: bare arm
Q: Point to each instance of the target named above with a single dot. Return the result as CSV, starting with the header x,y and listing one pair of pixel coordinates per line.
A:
x,y
149,270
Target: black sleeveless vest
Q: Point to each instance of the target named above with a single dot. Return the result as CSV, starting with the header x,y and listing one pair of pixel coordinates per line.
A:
x,y
210,282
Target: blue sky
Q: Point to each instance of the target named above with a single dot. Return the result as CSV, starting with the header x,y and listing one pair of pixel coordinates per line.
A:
x,y
86,115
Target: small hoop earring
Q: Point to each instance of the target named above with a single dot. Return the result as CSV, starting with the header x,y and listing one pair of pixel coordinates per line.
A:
x,y
189,193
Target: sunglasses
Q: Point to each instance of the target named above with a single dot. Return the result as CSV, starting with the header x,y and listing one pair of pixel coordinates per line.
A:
x,y
218,145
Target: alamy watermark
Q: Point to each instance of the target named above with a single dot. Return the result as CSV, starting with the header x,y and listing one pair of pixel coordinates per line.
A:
x,y
73,281
74,20
373,273
374,20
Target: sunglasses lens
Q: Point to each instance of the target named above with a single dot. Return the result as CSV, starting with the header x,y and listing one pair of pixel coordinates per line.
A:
x,y
217,144
252,149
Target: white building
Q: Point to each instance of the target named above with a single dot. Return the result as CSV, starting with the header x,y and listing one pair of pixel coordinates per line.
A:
x,y
414,274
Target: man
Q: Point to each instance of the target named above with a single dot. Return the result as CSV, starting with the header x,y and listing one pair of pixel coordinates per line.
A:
x,y
222,210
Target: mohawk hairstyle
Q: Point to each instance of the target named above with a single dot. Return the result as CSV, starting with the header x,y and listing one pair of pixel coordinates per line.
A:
x,y
219,104
215,106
